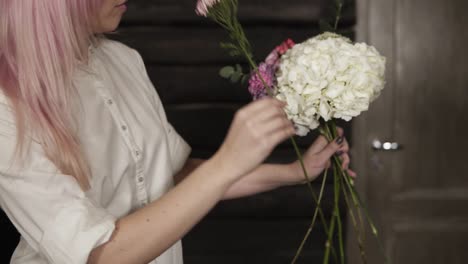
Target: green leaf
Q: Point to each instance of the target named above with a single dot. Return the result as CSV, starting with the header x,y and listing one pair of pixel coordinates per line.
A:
x,y
227,72
245,78
234,53
235,77
227,45
239,68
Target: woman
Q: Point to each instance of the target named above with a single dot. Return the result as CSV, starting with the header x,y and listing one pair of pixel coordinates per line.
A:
x,y
89,161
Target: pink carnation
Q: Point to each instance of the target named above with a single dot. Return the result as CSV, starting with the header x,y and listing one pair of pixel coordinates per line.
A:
x,y
268,70
274,57
285,46
204,5
256,87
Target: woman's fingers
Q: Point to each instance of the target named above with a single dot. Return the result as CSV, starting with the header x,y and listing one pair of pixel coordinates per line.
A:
x,y
344,147
319,144
255,130
330,150
345,161
279,135
269,112
340,131
265,111
256,108
273,124
345,164
352,173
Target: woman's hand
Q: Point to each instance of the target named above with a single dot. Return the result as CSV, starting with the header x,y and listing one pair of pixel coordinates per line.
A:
x,y
256,129
318,156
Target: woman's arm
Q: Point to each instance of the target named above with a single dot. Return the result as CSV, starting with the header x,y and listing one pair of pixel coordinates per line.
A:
x,y
264,178
145,234
271,176
142,236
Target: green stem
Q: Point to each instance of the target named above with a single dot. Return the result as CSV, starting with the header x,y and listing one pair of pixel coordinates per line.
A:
x,y
337,211
358,201
338,15
312,224
254,66
329,242
312,192
359,234
235,29
336,218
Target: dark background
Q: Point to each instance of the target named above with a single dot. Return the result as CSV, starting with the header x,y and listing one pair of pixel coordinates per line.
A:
x,y
183,58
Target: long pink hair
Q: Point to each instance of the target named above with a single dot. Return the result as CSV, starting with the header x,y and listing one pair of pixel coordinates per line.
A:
x,y
41,44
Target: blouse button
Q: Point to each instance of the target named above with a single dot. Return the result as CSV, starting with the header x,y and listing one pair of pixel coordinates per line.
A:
x,y
110,102
140,179
124,127
137,152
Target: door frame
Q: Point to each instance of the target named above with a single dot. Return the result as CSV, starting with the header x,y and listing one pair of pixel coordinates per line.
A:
x,y
375,26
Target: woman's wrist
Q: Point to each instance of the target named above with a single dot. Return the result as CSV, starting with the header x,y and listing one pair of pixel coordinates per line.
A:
x,y
284,175
224,167
295,174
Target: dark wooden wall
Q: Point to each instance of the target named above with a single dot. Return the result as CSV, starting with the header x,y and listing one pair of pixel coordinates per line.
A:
x,y
183,57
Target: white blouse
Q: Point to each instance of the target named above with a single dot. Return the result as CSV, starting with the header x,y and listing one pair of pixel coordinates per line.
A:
x,y
132,150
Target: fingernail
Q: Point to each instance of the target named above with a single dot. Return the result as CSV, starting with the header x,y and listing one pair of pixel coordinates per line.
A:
x,y
339,140
339,153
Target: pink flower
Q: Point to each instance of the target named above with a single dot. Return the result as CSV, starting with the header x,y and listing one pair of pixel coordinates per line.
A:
x,y
204,5
256,87
274,57
268,71
285,46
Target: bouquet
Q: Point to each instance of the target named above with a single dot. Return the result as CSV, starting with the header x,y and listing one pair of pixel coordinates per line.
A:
x,y
327,77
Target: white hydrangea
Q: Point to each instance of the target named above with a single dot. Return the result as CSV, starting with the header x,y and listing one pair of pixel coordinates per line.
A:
x,y
328,77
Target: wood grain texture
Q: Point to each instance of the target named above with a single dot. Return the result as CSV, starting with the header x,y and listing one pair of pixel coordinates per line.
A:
x,y
250,12
433,76
248,241
375,27
170,45
418,195
433,242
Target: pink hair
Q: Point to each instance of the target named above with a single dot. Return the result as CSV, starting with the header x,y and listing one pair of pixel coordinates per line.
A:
x,y
41,44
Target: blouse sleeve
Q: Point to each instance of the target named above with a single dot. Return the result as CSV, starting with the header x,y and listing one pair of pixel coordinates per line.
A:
x,y
179,149
49,209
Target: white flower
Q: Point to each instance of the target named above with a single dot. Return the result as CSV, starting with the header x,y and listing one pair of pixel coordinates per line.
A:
x,y
328,77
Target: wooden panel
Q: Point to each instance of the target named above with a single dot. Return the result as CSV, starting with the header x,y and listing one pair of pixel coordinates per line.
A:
x,y
285,203
430,242
417,195
250,241
432,81
252,11
205,125
432,203
190,45
9,238
200,84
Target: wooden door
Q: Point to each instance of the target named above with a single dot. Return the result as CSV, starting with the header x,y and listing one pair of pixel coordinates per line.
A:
x,y
418,195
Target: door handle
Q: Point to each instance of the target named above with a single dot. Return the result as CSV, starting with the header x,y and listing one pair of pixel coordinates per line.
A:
x,y
385,145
